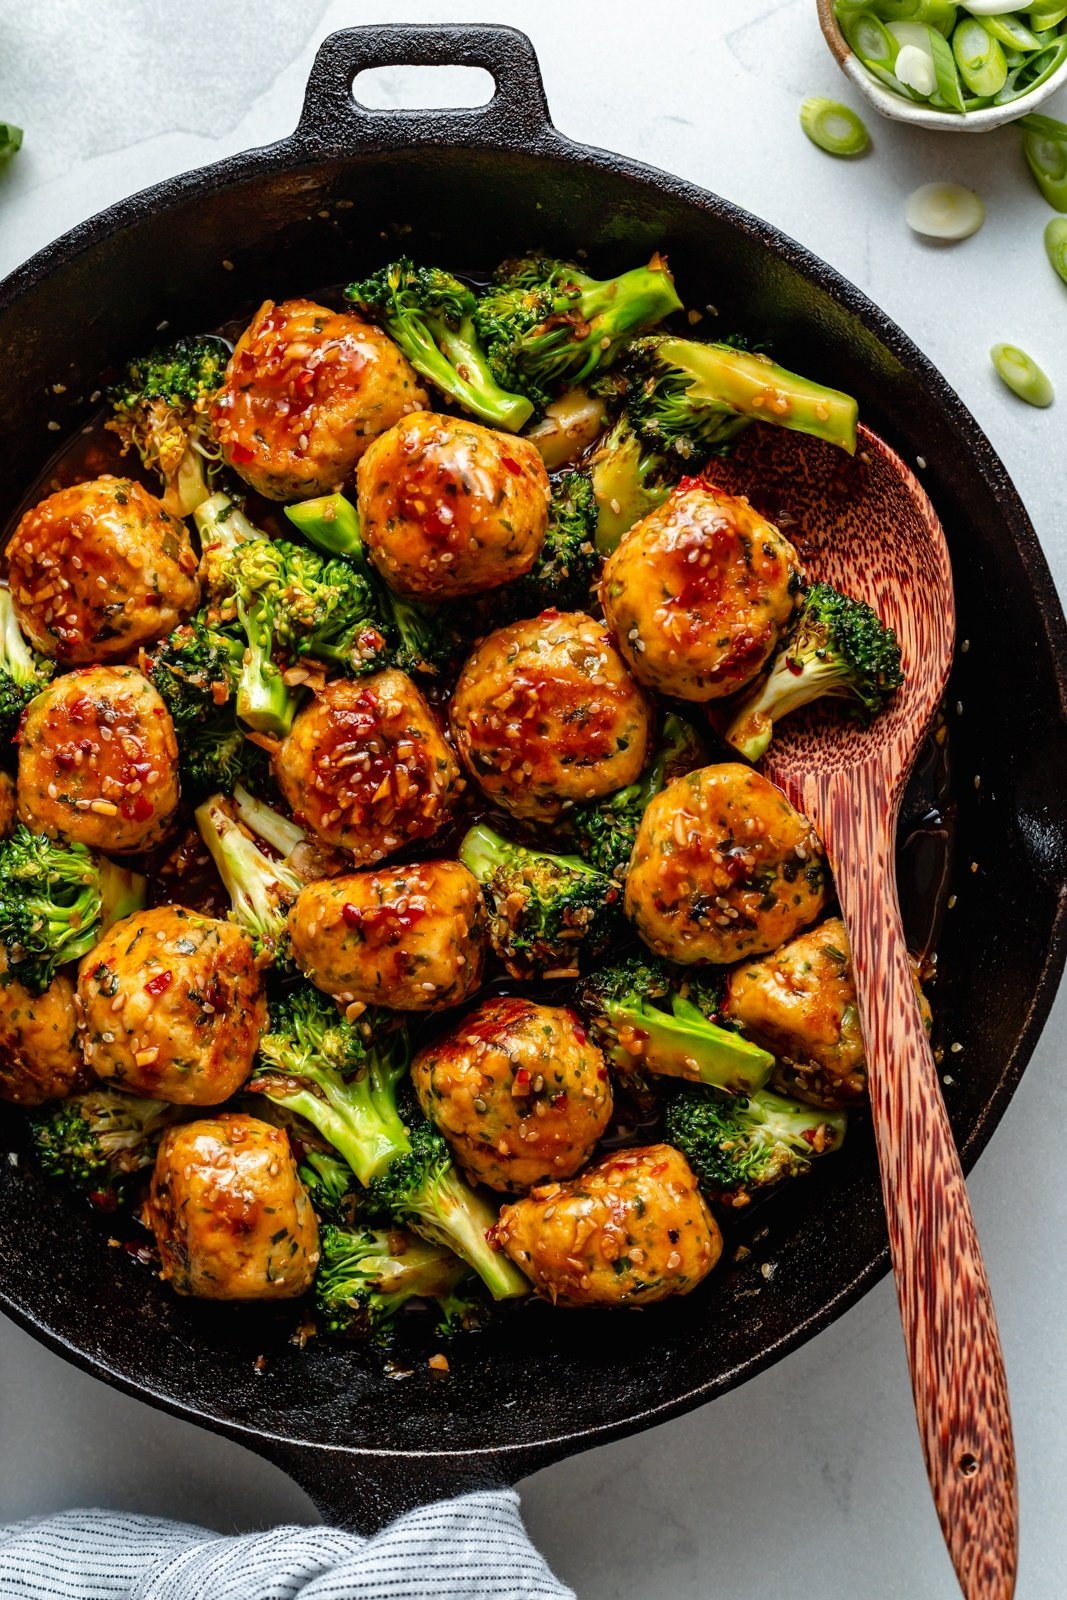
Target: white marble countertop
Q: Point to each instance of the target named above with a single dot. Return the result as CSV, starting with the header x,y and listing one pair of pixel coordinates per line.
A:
x,y
808,1481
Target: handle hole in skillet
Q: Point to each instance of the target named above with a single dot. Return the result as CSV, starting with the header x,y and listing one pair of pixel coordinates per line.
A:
x,y
422,88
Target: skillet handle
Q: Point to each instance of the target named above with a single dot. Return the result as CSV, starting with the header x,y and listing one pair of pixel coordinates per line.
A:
x,y
517,114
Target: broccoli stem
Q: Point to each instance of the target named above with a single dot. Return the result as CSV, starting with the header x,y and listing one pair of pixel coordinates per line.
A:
x,y
626,484
447,1212
16,657
122,892
330,523
620,306
752,386
261,891
467,377
369,1143
775,696
264,701
280,833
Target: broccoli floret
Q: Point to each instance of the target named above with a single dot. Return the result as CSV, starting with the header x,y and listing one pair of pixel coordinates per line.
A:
x,y
605,830
431,316
568,562
738,1145
546,325
321,1066
23,673
548,913
366,1278
196,670
56,900
332,1185
642,1020
423,1190
261,887
160,407
96,1139
629,480
839,649
690,399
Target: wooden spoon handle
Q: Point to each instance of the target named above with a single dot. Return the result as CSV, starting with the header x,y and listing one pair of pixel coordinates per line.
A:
x,y
950,1328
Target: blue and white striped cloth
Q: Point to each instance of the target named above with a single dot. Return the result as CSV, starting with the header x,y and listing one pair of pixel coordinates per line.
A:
x,y
471,1548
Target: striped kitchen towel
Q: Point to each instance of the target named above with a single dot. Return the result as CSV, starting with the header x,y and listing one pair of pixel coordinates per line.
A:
x,y
471,1548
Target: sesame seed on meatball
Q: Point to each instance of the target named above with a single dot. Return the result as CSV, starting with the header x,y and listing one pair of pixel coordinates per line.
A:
x,y
98,569
366,766
448,507
546,712
699,593
519,1091
306,391
172,1006
98,761
231,1218
723,867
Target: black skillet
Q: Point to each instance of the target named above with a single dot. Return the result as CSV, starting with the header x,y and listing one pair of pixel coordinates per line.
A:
x,y
468,187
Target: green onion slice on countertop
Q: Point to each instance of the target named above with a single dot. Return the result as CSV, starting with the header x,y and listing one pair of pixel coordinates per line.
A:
x,y
1045,148
944,211
833,127
1056,245
10,140
1022,374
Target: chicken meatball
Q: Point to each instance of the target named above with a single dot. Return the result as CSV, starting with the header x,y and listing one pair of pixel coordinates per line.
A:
x,y
8,810
231,1218
448,507
366,766
723,867
631,1229
39,1055
98,761
306,391
699,592
411,938
172,1006
800,1003
519,1090
546,714
98,569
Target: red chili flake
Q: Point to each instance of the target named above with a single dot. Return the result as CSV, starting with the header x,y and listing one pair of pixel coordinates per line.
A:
x,y
161,982
136,808
687,483
351,915
559,1100
104,1199
602,1074
580,1033
522,1076
512,465
241,454
794,666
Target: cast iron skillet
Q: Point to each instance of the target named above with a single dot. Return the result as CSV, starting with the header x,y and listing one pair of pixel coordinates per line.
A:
x,y
472,186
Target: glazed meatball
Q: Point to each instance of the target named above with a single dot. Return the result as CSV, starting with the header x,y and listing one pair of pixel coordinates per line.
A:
x,y
39,1055
306,391
631,1229
519,1090
8,811
800,1003
98,761
411,938
723,867
545,713
172,1006
98,569
231,1218
448,507
699,592
366,766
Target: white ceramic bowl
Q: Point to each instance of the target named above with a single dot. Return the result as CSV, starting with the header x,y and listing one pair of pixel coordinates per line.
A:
x,y
921,116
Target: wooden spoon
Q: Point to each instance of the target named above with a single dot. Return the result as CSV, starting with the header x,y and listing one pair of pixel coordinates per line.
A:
x,y
867,526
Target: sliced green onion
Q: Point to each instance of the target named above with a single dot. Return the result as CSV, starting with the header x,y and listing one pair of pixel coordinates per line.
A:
x,y
948,79
914,64
867,38
1022,375
1056,245
10,140
1045,148
1048,15
944,211
939,14
992,8
1039,67
1010,32
833,127
979,57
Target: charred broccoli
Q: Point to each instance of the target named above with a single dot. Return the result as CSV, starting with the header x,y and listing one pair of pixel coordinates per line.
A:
x,y
56,900
737,1145
642,1020
96,1139
548,913
605,830
431,316
160,407
545,324
839,649
261,887
366,1278
23,673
